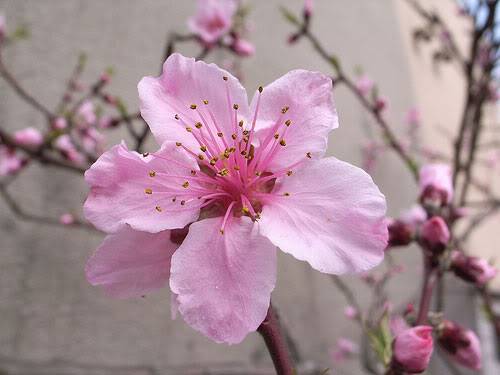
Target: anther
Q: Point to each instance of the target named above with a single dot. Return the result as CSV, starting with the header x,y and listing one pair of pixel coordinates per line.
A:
x,y
158,208
243,152
258,174
185,185
289,173
233,136
246,138
205,102
183,203
285,109
240,124
276,136
245,132
236,106
220,134
152,173
203,148
286,194
189,130
178,144
309,155
223,172
225,154
176,116
221,231
146,154
193,172
148,191
225,78
261,88
213,161
288,122
236,168
193,106
201,157
198,125
283,143
174,199
245,210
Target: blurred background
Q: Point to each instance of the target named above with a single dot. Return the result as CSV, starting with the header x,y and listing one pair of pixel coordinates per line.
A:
x,y
53,322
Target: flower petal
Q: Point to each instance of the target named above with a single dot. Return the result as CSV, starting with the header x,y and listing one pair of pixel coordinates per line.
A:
x,y
308,96
131,263
332,218
185,82
124,192
224,282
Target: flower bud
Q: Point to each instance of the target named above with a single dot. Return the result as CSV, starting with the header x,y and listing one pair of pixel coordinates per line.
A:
x,y
28,137
59,123
364,85
67,219
461,344
242,47
413,349
434,234
472,269
3,28
436,188
351,312
308,8
400,233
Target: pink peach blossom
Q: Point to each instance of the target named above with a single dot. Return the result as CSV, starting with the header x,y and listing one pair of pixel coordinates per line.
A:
x,y
308,8
243,47
415,215
10,162
67,219
435,183
413,349
364,84
28,137
65,145
85,114
344,349
243,179
60,123
434,234
213,19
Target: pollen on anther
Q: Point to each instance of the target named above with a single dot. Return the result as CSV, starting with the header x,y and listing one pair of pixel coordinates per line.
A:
x,y
285,109
245,210
283,143
243,152
148,191
203,148
276,136
193,106
188,129
240,124
258,173
245,132
201,157
261,88
225,78
176,116
220,134
286,194
152,173
288,122
233,136
185,185
183,203
236,106
213,161
193,172
205,102
146,154
309,155
158,208
198,125
289,173
178,144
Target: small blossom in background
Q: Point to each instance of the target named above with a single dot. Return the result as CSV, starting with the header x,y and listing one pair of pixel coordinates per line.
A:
x,y
435,235
472,269
370,151
344,349
67,219
213,19
28,137
59,123
413,120
413,349
415,215
10,162
3,28
364,85
242,47
461,344
381,104
246,179
351,312
68,150
435,184
308,8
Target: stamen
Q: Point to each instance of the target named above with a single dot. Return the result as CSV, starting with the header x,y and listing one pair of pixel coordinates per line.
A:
x,y
158,208
185,185
148,191
152,173
226,216
205,102
309,155
193,106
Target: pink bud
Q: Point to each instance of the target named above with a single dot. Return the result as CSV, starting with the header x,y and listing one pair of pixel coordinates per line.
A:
x,y
345,349
243,47
105,78
60,123
29,137
434,234
308,8
413,349
461,344
400,233
364,85
3,28
381,104
10,162
351,312
67,219
435,184
472,269
415,215
413,117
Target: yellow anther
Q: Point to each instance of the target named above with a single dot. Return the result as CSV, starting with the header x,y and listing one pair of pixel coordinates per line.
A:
x,y
289,173
189,130
146,154
203,148
183,203
198,125
225,78
148,191
286,194
201,157
276,136
232,149
245,210
213,161
233,136
205,102
185,185
283,143
178,144
236,106
258,174
245,132
309,155
220,134
285,109
176,116
225,154
193,172
246,138
158,208
243,152
152,173
221,231
236,168
193,106
240,124
223,172
288,122
260,88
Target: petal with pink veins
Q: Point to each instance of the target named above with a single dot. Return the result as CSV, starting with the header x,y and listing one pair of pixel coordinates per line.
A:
x,y
224,282
129,188
308,97
131,263
186,83
330,214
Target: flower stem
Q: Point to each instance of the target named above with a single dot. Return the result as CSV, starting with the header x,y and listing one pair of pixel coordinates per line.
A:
x,y
276,344
430,277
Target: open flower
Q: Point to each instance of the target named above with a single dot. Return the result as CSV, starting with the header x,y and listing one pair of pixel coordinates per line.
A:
x,y
213,19
246,179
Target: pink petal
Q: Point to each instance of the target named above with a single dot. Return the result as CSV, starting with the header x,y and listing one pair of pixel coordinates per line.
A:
x,y
131,263
119,180
333,218
224,282
185,82
308,95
